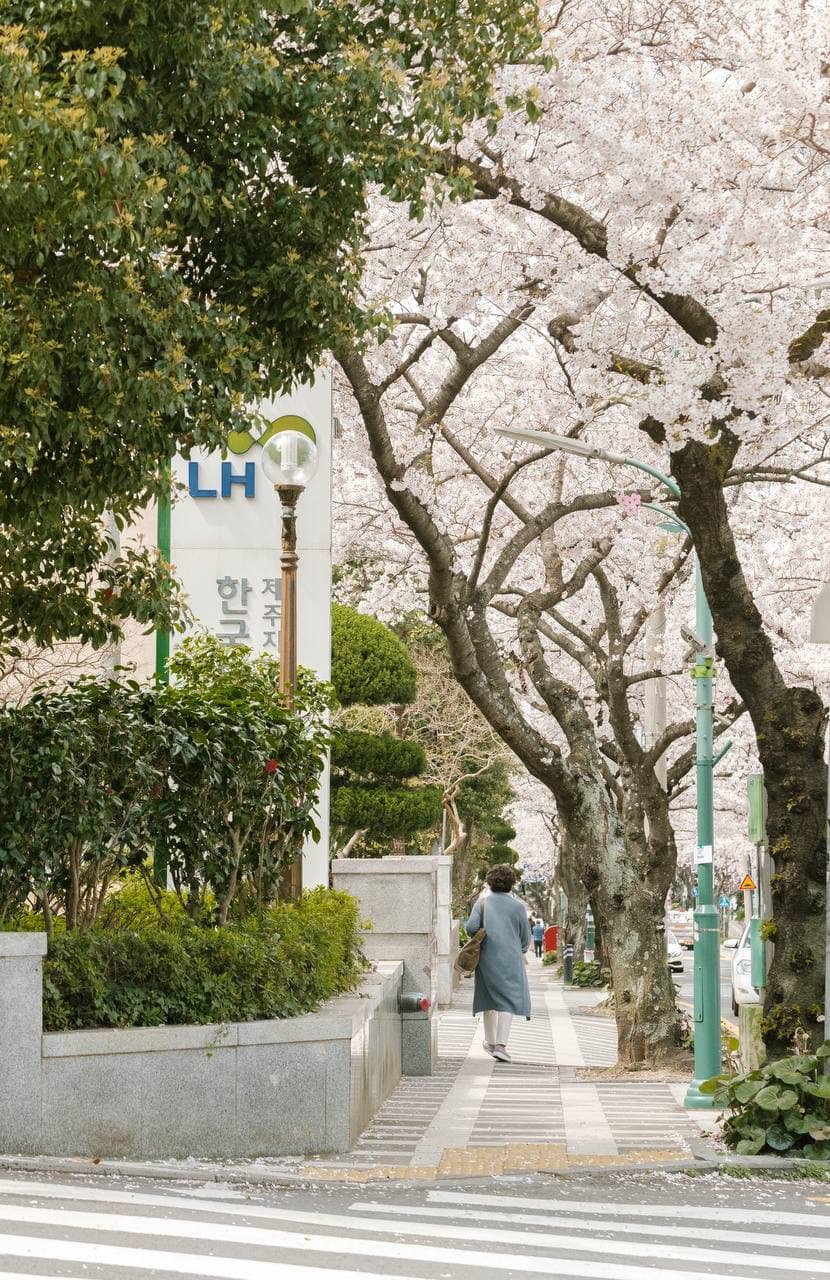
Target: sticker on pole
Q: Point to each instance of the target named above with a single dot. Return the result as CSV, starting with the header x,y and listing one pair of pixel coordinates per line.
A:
x,y
703,854
747,885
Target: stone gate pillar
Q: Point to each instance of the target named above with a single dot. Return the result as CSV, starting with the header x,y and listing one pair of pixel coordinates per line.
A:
x,y
399,897
21,1036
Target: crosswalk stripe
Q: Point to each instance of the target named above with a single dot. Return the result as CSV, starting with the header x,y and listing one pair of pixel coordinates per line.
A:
x,y
706,1213
265,1237
223,1268
30,1275
597,1222
203,1266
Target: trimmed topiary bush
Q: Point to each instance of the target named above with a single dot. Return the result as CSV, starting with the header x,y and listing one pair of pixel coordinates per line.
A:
x,y
380,755
170,970
370,798
384,810
369,664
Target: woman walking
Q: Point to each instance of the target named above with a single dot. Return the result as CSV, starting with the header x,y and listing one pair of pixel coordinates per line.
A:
x,y
501,989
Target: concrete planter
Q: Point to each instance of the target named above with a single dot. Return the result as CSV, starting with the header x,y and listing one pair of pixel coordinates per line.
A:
x,y
290,1086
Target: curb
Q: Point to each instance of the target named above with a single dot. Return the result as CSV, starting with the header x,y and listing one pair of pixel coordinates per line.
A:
x,y
152,1172
702,1160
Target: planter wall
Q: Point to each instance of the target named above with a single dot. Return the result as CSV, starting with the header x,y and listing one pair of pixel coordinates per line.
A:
x,y
293,1086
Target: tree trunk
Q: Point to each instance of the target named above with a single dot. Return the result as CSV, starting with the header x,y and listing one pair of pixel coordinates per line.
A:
x,y
628,886
789,725
461,865
576,896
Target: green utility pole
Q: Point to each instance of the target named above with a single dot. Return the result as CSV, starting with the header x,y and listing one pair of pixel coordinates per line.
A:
x,y
162,654
707,931
707,923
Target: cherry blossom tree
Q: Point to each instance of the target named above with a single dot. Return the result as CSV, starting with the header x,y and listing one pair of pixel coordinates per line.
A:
x,y
638,265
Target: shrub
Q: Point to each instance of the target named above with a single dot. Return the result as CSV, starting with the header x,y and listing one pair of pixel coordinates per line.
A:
x,y
381,755
588,973
170,970
215,766
782,1107
369,664
550,957
370,800
384,810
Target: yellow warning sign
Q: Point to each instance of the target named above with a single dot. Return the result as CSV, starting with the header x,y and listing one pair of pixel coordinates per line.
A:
x,y
747,885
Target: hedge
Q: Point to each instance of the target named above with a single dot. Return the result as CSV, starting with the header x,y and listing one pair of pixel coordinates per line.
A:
x,y
170,970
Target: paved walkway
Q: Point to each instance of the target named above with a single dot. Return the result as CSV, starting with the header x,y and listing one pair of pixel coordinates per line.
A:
x,y
476,1116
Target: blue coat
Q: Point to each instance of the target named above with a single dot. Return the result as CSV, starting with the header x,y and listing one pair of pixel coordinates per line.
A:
x,y
501,976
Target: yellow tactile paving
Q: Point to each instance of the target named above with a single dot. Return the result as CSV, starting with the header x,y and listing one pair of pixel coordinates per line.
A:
x,y
478,1162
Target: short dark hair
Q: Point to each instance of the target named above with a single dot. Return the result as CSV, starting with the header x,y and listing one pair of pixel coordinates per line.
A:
x,y
501,878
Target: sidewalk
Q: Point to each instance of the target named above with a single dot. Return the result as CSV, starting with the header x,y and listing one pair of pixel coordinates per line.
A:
x,y
477,1117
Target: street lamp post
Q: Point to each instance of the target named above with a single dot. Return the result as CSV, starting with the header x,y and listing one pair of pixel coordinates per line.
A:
x,y
707,932
289,460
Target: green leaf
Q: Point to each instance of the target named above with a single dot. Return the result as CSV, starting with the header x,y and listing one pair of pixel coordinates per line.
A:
x,y
747,1090
778,1138
819,1088
752,1142
774,1098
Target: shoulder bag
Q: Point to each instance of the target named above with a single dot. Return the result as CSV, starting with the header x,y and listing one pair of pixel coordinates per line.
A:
x,y
470,954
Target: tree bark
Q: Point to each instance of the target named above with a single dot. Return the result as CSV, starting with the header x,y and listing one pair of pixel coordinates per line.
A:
x,y
628,887
789,725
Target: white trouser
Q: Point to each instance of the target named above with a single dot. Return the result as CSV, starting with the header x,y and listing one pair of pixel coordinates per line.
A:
x,y
496,1026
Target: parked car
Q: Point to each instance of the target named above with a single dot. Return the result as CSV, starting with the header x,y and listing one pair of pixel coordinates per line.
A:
x,y
683,927
743,991
674,952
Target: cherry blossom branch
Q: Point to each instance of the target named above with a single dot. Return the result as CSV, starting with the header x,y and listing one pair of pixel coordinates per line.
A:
x,y
491,182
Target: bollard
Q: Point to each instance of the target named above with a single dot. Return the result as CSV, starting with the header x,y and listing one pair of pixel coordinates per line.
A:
x,y
568,963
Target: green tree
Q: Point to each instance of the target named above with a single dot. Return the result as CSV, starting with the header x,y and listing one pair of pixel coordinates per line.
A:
x,y
183,196
374,799
235,812
215,764
81,769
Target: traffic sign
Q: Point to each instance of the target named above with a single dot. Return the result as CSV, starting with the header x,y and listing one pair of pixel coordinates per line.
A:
x,y
724,902
747,885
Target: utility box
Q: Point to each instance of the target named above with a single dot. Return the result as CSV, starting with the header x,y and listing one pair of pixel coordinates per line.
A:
x,y
551,937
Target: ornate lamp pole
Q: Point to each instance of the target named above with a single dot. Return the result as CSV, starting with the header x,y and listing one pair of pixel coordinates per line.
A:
x,y
289,460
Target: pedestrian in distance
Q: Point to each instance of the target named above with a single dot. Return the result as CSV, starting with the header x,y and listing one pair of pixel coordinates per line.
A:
x,y
501,987
538,932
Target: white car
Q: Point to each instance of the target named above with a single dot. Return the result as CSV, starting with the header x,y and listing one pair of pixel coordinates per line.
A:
x,y
674,952
683,926
743,991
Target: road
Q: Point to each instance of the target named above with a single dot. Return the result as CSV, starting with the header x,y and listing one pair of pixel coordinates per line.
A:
x,y
684,982
621,1227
